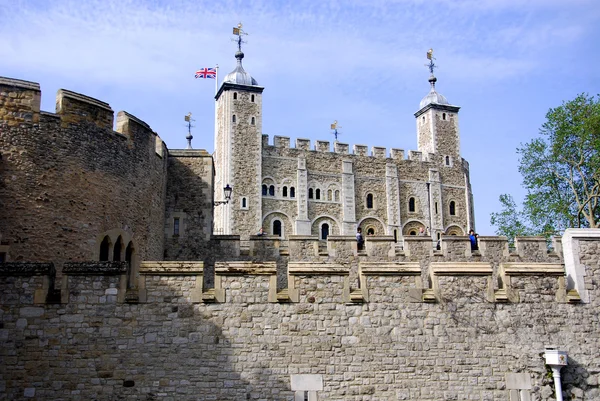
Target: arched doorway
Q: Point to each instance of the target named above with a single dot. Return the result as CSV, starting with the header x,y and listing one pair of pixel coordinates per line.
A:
x,y
324,231
277,228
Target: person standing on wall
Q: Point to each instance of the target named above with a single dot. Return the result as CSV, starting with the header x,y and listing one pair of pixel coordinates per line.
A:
x,y
473,238
360,241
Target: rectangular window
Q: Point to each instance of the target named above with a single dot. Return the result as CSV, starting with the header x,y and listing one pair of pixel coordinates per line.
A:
x,y
176,226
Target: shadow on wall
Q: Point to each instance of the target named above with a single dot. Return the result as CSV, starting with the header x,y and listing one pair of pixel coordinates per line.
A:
x,y
97,349
578,383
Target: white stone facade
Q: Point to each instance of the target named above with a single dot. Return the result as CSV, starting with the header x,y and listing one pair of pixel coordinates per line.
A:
x,y
316,191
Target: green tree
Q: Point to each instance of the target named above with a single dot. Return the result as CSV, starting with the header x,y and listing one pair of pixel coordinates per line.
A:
x,y
561,172
510,221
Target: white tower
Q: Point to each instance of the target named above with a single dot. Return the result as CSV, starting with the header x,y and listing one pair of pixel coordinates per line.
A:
x,y
238,150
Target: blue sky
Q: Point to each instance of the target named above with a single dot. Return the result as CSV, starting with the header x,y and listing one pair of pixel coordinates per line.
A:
x,y
504,62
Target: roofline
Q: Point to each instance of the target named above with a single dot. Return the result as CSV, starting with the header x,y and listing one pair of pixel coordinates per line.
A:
x,y
228,86
446,107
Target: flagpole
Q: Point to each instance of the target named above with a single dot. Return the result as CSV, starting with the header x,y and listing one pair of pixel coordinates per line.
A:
x,y
216,79
216,91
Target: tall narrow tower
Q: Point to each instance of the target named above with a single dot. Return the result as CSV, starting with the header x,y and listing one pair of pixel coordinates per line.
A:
x,y
437,122
438,137
238,150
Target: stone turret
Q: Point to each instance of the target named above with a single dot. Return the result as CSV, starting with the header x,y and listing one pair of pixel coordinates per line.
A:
x,y
238,147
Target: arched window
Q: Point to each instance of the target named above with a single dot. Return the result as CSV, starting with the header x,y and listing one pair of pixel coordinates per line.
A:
x,y
369,201
337,196
104,247
443,116
447,160
244,203
310,193
252,98
233,118
117,249
292,192
264,190
318,194
411,205
452,208
284,192
252,121
272,190
277,228
329,195
234,95
128,259
370,231
436,208
324,231
413,232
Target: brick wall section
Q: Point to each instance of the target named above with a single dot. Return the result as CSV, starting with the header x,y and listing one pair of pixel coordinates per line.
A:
x,y
68,178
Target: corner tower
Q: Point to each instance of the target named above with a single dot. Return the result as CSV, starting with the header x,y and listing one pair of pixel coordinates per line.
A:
x,y
437,123
238,150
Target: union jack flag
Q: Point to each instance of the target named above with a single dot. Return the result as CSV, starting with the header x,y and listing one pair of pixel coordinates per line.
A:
x,y
206,73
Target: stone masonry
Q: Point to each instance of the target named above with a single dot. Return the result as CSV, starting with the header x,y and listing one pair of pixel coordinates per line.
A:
x,y
422,325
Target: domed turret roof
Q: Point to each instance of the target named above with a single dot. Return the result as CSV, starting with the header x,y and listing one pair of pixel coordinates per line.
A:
x,y
239,75
433,97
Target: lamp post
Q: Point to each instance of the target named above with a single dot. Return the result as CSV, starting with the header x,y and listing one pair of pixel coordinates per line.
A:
x,y
556,360
227,192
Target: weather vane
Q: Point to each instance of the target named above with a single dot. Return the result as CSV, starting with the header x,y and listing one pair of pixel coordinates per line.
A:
x,y
189,137
430,57
239,32
334,127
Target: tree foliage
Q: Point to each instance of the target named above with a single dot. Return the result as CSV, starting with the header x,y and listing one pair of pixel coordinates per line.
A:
x,y
510,222
561,172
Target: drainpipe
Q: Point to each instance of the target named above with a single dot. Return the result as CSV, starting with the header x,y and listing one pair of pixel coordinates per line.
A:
x,y
556,360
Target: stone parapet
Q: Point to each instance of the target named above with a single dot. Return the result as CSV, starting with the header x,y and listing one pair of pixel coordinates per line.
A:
x,y
19,101
75,108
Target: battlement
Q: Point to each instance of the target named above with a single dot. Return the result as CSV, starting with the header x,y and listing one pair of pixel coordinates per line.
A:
x,y
20,104
19,101
377,152
75,108
281,266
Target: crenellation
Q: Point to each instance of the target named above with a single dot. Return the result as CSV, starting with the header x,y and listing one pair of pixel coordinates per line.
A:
x,y
281,141
19,101
533,247
265,141
75,108
416,156
302,144
322,146
379,152
360,150
397,154
341,148
133,128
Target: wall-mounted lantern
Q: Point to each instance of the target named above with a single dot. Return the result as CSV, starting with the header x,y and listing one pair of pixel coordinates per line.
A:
x,y
227,192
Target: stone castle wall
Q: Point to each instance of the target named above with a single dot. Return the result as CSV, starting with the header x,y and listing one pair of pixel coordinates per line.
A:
x,y
422,325
66,178
189,199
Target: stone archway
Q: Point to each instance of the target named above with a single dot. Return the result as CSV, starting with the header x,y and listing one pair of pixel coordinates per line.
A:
x,y
454,230
412,228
